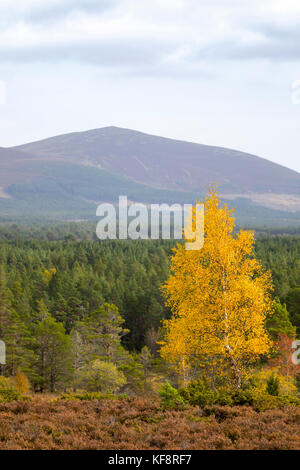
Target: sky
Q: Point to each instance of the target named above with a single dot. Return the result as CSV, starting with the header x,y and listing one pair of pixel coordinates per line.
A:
x,y
217,72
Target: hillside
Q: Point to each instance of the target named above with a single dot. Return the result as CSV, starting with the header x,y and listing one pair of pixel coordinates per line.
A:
x,y
67,176
166,163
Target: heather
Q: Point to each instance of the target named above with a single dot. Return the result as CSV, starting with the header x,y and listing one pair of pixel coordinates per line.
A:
x,y
139,423
118,345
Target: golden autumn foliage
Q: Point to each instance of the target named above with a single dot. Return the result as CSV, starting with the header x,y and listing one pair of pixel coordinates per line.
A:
x,y
220,297
48,274
286,383
21,382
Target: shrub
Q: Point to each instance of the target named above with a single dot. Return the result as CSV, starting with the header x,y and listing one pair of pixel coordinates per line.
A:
x,y
21,382
225,397
91,396
170,397
9,395
286,385
261,400
199,393
104,377
141,424
273,385
7,391
5,383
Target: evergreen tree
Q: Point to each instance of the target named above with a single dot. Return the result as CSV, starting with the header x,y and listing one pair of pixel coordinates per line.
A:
x,y
54,355
13,332
273,385
101,333
279,323
293,304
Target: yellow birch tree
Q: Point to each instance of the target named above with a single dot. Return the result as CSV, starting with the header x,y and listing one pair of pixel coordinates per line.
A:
x,y
220,297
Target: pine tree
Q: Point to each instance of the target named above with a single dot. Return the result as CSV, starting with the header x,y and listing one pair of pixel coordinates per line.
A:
x,y
13,332
54,354
293,304
278,323
273,385
101,333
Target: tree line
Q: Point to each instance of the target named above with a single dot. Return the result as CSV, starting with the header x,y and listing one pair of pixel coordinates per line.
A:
x,y
76,311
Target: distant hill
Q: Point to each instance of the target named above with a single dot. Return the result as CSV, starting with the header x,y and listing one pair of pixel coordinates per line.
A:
x,y
69,174
166,163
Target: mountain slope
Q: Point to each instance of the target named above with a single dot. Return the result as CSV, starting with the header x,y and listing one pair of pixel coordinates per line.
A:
x,y
168,164
67,176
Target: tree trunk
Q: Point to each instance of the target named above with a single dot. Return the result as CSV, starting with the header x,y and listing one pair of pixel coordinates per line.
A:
x,y
52,383
183,373
236,368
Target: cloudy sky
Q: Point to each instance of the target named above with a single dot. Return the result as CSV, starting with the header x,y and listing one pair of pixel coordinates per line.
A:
x,y
219,72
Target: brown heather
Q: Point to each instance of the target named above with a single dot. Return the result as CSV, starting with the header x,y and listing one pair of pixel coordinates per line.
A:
x,y
140,424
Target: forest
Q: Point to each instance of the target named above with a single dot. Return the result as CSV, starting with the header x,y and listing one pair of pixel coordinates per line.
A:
x,y
84,319
68,280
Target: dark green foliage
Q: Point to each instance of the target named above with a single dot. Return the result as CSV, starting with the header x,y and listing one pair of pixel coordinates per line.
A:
x,y
280,323
261,400
53,355
87,274
9,395
273,385
293,303
91,396
8,392
170,397
281,254
198,392
127,274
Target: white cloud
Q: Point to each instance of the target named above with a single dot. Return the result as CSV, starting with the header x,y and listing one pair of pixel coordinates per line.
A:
x,y
2,92
212,71
178,31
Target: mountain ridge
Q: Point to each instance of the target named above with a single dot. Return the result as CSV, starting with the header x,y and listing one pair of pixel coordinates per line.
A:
x,y
166,163
22,147
96,165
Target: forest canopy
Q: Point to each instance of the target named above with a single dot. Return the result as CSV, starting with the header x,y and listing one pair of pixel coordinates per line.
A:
x,y
53,282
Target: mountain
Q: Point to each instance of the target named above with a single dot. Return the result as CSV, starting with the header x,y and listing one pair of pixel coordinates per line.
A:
x,y
70,174
166,163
